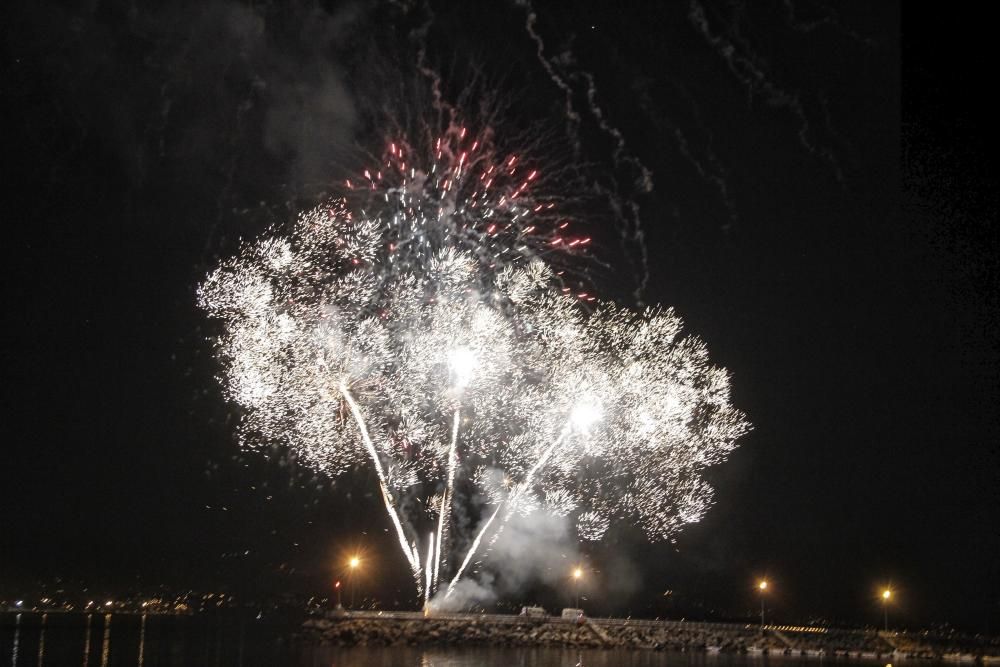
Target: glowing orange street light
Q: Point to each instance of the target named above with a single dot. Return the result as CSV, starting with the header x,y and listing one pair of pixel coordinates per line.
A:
x,y
886,596
762,587
354,563
577,575
336,587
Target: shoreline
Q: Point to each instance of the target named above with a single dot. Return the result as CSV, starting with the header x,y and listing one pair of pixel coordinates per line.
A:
x,y
415,629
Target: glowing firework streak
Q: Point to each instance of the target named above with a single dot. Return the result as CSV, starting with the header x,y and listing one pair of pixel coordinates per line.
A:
x,y
472,551
429,569
511,504
449,491
411,555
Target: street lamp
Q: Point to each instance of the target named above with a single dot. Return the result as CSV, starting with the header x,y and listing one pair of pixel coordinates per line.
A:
x,y
336,587
886,596
577,575
354,563
762,587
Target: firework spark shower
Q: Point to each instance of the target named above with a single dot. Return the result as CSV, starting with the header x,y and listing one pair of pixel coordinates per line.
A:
x,y
423,334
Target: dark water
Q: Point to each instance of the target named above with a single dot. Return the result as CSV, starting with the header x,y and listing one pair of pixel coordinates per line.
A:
x,y
110,640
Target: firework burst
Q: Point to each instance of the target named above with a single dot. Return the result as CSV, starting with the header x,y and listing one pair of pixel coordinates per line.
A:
x,y
428,338
458,189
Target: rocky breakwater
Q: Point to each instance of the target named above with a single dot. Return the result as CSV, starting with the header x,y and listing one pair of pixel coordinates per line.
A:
x,y
352,631
403,628
691,637
413,629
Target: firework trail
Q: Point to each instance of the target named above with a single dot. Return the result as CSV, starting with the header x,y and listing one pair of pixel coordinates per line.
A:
x,y
416,326
449,491
750,69
632,233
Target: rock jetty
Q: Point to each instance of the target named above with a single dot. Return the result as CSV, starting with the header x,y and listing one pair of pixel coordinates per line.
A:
x,y
413,629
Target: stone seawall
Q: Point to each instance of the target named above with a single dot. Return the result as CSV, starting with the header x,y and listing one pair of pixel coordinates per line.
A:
x,y
373,629
394,631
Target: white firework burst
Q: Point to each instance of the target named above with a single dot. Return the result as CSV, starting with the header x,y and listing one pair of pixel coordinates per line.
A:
x,y
459,380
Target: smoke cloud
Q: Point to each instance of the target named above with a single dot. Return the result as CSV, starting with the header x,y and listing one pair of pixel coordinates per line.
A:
x,y
535,549
208,101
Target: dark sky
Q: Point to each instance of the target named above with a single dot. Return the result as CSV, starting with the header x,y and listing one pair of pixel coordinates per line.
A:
x,y
823,216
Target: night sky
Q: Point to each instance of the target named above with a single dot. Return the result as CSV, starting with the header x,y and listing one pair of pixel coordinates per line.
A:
x,y
823,216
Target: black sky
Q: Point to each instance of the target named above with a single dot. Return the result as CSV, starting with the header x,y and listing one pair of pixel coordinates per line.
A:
x,y
823,217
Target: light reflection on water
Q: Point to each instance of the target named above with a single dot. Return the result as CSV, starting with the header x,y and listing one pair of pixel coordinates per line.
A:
x,y
86,641
17,639
556,657
106,644
142,641
41,640
168,641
